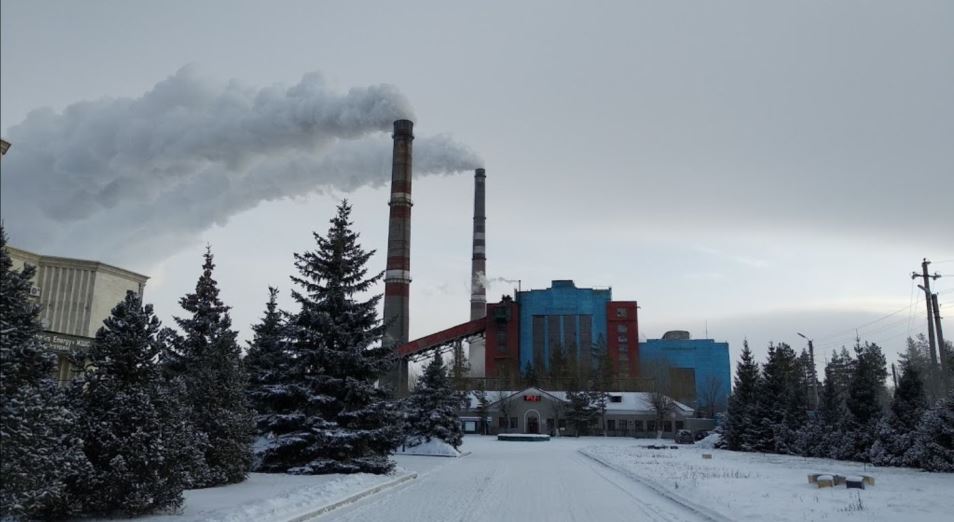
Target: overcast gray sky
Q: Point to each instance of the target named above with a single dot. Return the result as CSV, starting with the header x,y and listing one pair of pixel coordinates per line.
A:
x,y
759,168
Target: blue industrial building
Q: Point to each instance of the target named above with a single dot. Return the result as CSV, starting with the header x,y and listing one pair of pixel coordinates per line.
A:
x,y
561,314
699,369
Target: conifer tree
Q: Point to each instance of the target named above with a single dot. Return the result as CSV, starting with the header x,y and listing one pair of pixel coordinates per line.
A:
x,y
136,433
581,411
42,456
864,400
604,381
828,429
458,372
530,377
266,363
432,408
933,445
558,368
780,409
895,432
483,404
867,383
738,430
207,356
330,416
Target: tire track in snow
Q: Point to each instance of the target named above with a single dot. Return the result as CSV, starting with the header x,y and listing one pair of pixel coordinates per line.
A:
x,y
628,486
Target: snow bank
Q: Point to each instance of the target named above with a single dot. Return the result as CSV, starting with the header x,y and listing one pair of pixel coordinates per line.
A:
x,y
709,442
758,486
433,448
268,496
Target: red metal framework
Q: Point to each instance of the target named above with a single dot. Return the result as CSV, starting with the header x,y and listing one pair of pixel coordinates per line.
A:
x,y
447,337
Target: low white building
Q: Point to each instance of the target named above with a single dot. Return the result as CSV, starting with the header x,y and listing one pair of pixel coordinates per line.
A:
x,y
533,410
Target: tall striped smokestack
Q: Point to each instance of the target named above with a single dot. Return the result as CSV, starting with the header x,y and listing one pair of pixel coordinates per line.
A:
x,y
478,265
397,276
478,274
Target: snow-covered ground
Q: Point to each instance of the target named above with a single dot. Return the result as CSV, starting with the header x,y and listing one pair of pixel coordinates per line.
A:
x,y
502,480
268,497
586,479
756,486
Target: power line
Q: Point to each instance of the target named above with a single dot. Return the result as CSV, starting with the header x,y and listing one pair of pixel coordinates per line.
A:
x,y
841,333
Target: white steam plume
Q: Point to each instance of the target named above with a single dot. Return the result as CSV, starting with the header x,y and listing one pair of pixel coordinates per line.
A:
x,y
105,178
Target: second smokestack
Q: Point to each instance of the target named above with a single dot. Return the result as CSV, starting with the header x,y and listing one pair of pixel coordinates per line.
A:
x,y
478,266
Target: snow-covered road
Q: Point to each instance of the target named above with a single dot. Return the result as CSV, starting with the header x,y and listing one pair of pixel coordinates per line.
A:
x,y
522,481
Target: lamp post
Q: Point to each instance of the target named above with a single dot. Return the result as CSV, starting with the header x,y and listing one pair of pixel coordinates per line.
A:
x,y
814,377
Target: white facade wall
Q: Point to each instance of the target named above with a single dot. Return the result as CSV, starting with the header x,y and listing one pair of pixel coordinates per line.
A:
x,y
75,296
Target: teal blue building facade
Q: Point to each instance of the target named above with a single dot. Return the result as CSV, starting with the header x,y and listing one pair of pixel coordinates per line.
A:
x,y
700,364
562,314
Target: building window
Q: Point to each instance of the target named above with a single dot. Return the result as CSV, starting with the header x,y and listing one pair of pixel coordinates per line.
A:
x,y
611,425
680,425
621,328
513,423
562,424
624,425
651,425
616,398
621,313
502,422
667,426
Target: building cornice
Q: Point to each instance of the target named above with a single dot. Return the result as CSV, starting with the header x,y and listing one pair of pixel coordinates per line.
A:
x,y
68,262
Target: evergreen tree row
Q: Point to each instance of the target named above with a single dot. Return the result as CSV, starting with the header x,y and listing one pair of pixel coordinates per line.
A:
x,y
769,410
159,410
155,412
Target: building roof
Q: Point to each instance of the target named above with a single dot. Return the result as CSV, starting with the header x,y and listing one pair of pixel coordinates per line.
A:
x,y
76,263
631,402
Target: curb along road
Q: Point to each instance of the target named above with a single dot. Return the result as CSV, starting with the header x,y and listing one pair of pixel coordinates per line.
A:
x,y
352,498
705,513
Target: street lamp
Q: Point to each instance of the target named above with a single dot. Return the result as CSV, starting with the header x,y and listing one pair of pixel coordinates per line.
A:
x,y
811,354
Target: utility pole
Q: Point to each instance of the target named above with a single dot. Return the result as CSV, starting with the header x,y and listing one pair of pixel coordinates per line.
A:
x,y
814,377
927,297
941,348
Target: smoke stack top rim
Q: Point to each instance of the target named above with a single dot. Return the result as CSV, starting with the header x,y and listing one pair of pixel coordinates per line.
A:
x,y
480,172
403,128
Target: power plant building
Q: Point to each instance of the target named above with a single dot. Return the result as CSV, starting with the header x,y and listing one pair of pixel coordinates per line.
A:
x,y
75,296
583,322
697,369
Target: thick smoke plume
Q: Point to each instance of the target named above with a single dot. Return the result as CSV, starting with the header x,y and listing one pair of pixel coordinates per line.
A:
x,y
119,179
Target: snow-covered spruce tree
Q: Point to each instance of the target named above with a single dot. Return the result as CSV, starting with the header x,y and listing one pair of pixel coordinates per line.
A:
x,y
780,408
831,424
331,418
739,425
136,433
581,411
266,363
432,408
895,432
933,445
42,456
865,394
207,357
